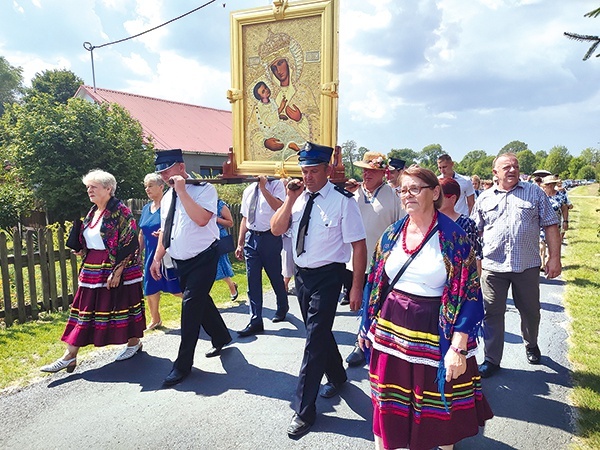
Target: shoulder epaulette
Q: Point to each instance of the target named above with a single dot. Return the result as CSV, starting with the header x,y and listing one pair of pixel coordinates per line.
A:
x,y
343,191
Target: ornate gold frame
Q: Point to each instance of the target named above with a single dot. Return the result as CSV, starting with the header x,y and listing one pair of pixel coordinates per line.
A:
x,y
307,30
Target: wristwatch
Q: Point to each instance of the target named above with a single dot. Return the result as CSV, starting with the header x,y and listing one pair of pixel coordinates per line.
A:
x,y
460,351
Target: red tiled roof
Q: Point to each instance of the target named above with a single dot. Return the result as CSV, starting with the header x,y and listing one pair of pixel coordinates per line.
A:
x,y
171,124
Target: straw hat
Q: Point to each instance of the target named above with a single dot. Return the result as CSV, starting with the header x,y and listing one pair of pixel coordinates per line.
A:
x,y
550,179
373,160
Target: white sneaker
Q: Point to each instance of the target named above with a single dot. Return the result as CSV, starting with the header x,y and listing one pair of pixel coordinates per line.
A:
x,y
129,352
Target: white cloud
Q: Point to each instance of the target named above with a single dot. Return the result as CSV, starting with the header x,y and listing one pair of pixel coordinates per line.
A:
x,y
148,16
137,64
184,80
17,7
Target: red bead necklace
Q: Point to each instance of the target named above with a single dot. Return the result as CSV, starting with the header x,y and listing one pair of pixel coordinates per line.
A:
x,y
93,224
418,247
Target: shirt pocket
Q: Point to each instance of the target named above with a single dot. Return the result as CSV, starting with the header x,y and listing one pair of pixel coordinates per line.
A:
x,y
525,211
490,212
328,225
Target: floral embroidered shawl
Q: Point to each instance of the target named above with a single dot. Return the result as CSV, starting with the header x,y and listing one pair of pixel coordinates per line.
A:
x,y
118,231
462,303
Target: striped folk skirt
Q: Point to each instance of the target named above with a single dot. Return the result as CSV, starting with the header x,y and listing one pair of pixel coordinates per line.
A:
x,y
408,411
101,316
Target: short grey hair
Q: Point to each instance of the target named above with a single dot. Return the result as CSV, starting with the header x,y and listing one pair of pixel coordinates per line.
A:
x,y
106,179
154,178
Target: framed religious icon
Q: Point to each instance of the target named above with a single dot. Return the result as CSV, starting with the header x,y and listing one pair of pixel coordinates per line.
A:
x,y
284,84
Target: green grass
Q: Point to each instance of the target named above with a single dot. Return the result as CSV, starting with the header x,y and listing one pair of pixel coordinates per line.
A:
x,y
26,347
582,300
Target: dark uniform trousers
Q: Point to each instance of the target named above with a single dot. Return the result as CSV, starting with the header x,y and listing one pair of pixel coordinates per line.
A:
x,y
318,291
263,250
196,277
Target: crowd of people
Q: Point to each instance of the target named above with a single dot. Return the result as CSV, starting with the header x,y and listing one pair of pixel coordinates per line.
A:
x,y
426,259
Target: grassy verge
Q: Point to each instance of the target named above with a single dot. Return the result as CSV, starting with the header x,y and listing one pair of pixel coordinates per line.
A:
x,y
582,300
26,347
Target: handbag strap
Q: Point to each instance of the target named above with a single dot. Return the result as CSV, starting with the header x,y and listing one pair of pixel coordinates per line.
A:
x,y
408,261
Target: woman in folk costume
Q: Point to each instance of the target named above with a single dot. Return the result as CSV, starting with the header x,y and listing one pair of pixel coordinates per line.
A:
x,y
108,307
422,310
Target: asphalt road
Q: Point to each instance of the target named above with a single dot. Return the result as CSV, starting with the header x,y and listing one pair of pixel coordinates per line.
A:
x,y
242,399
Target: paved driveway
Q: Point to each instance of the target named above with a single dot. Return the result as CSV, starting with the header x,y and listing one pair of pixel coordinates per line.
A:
x,y
241,400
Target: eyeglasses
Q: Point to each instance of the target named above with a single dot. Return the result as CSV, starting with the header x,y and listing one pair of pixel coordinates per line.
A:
x,y
414,190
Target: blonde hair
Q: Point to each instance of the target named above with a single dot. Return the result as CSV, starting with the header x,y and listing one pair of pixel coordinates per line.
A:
x,y
106,179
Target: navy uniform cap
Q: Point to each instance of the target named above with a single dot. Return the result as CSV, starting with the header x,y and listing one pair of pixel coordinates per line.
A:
x,y
314,154
397,163
165,159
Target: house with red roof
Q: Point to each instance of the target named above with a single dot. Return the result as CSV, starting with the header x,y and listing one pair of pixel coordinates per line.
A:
x,y
203,134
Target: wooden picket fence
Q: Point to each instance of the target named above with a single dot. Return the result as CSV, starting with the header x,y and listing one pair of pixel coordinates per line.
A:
x,y
39,275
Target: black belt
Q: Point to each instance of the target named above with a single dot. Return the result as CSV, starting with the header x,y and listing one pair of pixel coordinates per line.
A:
x,y
330,266
258,233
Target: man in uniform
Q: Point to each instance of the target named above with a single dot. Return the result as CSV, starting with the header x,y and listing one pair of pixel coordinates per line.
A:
x,y
260,200
189,233
326,229
395,170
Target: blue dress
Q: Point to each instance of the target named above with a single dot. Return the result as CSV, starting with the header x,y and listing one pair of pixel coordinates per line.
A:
x,y
149,223
224,268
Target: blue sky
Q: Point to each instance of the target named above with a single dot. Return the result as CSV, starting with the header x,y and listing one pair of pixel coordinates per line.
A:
x,y
468,75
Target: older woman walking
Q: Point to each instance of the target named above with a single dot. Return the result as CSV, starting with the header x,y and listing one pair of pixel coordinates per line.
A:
x,y
148,239
421,326
108,307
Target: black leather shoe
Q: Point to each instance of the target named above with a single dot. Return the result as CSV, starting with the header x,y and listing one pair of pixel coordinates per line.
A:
x,y
534,355
356,358
330,390
279,317
175,377
298,427
487,369
250,330
216,351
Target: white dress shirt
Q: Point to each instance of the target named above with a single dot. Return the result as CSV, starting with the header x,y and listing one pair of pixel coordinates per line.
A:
x,y
264,212
188,239
335,223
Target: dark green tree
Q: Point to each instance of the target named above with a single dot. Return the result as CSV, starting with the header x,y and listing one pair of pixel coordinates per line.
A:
x,y
483,167
60,85
575,165
467,165
591,156
349,155
429,155
11,83
527,161
558,161
586,173
56,144
513,147
540,159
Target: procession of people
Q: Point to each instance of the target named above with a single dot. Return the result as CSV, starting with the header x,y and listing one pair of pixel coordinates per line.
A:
x,y
418,256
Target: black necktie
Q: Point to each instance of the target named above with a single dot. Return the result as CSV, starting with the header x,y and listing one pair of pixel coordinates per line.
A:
x,y
303,228
253,205
169,222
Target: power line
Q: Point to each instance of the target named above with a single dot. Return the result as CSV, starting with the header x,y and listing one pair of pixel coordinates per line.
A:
x,y
89,47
